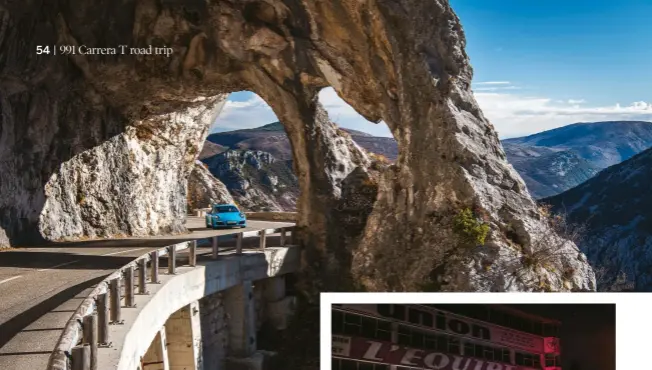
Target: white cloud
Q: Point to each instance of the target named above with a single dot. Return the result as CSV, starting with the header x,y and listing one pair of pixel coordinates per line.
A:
x,y
345,116
244,114
512,114
493,83
255,113
517,115
499,88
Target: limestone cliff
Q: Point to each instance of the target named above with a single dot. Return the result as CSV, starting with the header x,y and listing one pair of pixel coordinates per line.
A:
x,y
258,181
204,189
400,61
133,183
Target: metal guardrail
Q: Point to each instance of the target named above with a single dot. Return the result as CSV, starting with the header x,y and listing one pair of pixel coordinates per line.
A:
x,y
88,328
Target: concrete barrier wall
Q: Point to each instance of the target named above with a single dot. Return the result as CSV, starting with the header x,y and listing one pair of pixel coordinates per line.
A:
x,y
188,286
272,216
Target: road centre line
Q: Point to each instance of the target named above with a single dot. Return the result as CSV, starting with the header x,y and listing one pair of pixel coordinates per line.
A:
x,y
10,279
120,252
59,265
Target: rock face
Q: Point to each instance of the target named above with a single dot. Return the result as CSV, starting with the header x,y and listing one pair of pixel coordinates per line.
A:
x,y
616,208
258,170
554,161
400,61
204,189
132,184
258,181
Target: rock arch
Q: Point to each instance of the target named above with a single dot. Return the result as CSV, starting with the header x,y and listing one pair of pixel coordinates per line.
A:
x,y
398,61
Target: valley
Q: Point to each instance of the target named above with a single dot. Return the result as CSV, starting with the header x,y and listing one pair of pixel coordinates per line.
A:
x,y
592,173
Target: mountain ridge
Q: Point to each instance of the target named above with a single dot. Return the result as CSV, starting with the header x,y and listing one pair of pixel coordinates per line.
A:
x,y
569,159
586,148
615,207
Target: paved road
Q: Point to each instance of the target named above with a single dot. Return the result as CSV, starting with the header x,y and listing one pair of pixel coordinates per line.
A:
x,y
41,287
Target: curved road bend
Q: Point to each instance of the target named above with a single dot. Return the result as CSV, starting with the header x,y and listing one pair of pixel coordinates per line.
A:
x,y
41,287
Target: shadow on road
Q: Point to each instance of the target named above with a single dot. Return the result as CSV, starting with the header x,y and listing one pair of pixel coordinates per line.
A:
x,y
131,242
44,259
47,260
14,325
50,259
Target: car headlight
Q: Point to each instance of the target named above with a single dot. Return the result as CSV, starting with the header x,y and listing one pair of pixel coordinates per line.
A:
x,y
242,215
217,217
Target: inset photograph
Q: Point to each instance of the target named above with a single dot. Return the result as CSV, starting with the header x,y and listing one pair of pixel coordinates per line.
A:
x,y
473,336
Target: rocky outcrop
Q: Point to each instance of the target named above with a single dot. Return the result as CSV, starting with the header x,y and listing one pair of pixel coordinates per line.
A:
x,y
258,181
270,187
205,190
132,184
400,61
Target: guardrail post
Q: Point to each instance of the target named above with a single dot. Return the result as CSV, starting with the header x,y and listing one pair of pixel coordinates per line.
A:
x,y
115,302
238,243
216,251
154,261
283,231
292,237
263,238
129,286
142,276
172,259
192,253
103,319
81,358
91,338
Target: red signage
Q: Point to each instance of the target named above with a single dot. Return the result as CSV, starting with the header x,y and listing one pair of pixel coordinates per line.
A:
x,y
393,354
517,339
551,345
439,320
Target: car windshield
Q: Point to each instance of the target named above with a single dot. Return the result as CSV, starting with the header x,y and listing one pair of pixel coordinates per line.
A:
x,y
225,209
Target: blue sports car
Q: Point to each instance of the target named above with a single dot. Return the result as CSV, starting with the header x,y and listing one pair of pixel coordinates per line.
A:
x,y
225,215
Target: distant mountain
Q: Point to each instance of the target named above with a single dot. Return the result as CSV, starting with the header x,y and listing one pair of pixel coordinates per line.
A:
x,y
210,149
256,180
271,138
550,162
256,164
547,171
553,161
616,207
385,146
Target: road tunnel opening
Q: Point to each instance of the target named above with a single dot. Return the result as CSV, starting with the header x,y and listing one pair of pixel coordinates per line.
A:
x,y
248,151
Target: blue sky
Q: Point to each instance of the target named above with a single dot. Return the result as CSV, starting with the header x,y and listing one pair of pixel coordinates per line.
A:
x,y
538,65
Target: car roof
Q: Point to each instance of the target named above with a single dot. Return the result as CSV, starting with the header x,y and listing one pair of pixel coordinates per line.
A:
x,y
224,205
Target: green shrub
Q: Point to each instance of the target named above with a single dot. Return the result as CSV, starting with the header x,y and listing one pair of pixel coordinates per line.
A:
x,y
467,226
